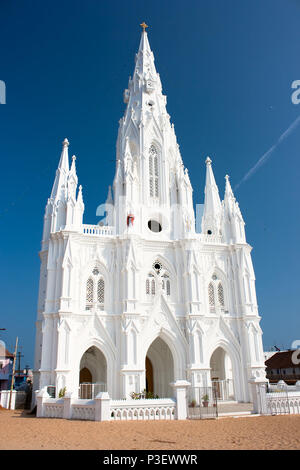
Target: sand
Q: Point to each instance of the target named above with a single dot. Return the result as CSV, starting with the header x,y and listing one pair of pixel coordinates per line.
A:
x,y
22,431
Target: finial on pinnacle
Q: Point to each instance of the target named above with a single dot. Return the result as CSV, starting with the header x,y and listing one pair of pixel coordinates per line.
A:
x,y
144,26
66,143
74,158
208,161
227,177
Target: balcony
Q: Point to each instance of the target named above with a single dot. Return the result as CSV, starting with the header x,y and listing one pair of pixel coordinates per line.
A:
x,y
98,231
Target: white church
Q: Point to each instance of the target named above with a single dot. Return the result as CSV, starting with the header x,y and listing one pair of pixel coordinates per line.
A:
x,y
143,300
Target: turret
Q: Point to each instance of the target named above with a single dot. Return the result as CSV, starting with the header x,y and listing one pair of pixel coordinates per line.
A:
x,y
232,218
55,212
211,221
63,210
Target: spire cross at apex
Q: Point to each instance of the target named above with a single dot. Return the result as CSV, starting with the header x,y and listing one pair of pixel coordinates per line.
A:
x,y
144,26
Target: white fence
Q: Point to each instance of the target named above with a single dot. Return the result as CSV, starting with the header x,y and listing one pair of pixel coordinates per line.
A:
x,y
283,403
275,399
147,409
98,230
102,408
91,390
18,399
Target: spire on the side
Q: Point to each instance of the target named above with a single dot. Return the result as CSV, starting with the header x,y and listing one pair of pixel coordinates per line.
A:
x,y
211,220
109,199
233,220
72,180
59,186
229,198
79,201
79,208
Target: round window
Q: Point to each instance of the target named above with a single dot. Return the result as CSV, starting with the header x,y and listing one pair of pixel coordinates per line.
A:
x,y
209,232
154,226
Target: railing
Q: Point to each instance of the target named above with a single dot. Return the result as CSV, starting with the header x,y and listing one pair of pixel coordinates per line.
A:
x,y
205,238
18,399
202,402
54,408
283,386
283,402
90,391
224,389
97,230
147,409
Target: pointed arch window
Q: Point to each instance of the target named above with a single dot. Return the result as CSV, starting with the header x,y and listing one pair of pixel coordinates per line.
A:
x,y
166,286
89,293
153,172
158,275
221,294
216,298
211,295
95,290
100,291
150,284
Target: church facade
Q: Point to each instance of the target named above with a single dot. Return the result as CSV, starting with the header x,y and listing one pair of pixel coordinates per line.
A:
x,y
143,300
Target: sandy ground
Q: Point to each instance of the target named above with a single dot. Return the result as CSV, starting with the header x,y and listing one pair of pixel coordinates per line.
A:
x,y
22,431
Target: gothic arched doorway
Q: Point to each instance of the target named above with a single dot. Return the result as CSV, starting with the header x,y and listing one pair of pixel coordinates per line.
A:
x,y
92,373
85,376
149,376
222,374
159,369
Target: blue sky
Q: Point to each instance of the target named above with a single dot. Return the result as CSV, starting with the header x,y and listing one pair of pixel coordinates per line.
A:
x,y
226,68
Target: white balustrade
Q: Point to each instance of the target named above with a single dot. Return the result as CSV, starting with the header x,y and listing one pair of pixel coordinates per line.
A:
x,y
147,409
98,230
205,238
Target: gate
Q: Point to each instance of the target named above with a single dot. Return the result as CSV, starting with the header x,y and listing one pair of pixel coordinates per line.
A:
x,y
202,402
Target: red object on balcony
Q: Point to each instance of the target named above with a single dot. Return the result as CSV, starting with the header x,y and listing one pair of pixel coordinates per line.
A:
x,y
130,219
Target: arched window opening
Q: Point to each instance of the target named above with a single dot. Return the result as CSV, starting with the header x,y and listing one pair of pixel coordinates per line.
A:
x,y
166,286
221,294
211,295
159,275
95,291
89,293
216,297
153,172
100,291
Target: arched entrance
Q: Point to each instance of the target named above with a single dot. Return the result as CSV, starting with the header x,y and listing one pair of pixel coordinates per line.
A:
x,y
85,376
222,374
149,376
92,373
159,369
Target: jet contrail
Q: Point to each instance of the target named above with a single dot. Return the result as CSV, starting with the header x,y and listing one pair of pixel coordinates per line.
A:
x,y
266,155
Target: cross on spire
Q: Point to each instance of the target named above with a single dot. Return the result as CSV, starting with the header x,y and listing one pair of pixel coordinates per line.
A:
x,y
144,26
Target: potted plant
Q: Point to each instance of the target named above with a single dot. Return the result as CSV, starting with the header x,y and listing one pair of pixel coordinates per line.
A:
x,y
62,392
193,404
205,399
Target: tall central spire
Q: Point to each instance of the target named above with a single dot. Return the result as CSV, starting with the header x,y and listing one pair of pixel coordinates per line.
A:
x,y
149,170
